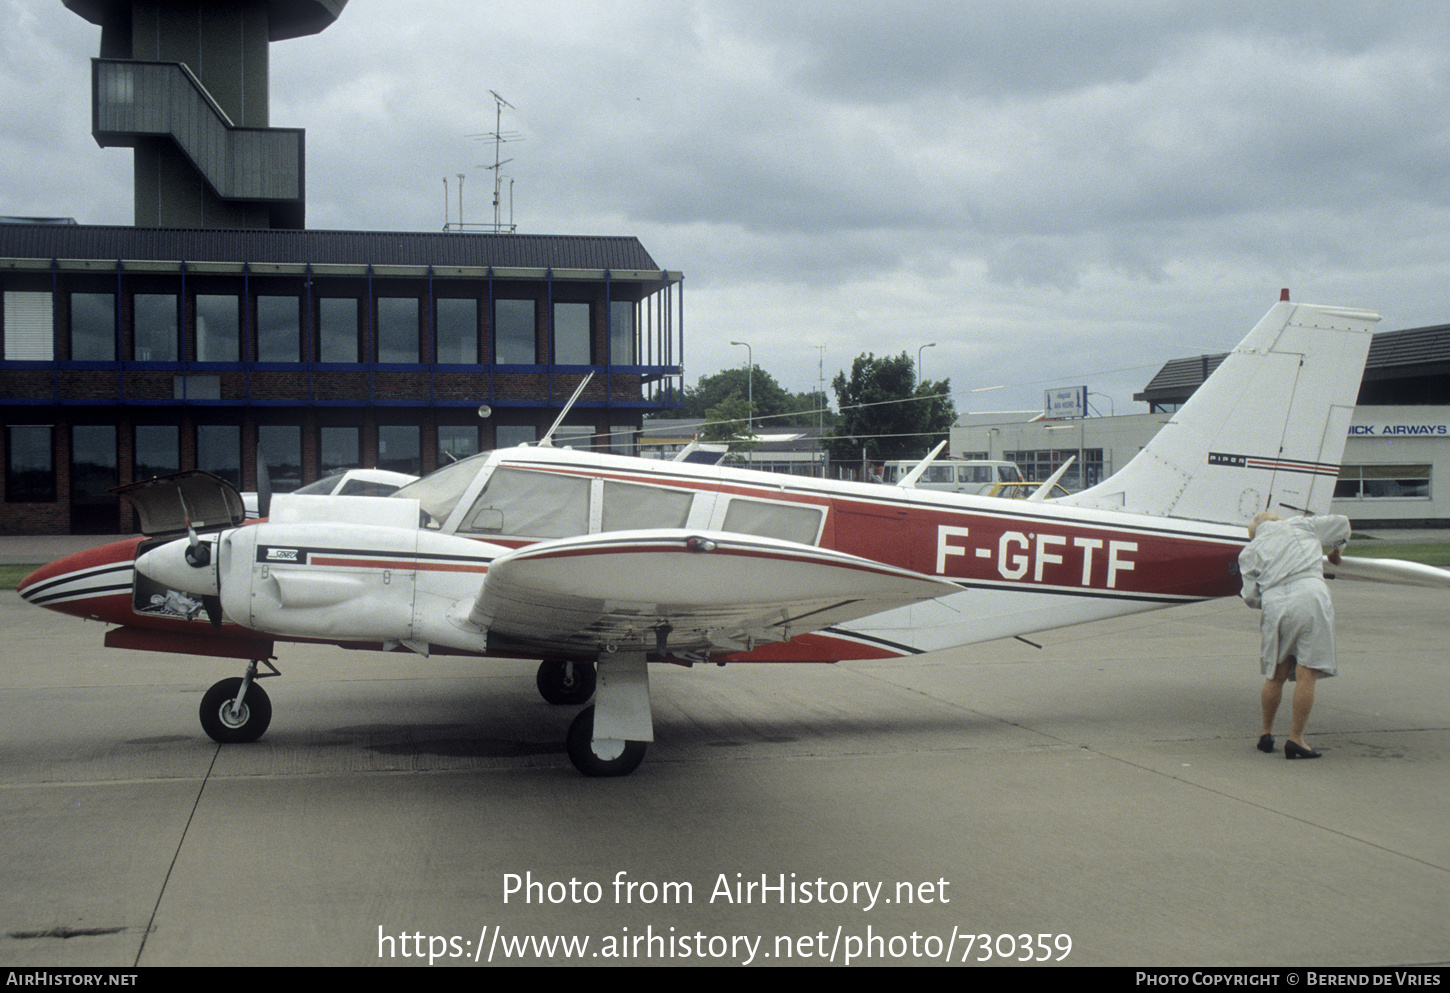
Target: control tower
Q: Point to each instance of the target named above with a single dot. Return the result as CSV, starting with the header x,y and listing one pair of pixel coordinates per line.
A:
x,y
184,83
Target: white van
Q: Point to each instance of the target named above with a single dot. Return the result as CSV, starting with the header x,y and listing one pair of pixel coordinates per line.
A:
x,y
955,475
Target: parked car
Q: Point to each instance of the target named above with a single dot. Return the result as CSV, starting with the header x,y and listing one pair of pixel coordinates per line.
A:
x,y
955,476
1021,491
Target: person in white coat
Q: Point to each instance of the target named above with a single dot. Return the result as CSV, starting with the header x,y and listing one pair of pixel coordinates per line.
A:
x,y
1283,575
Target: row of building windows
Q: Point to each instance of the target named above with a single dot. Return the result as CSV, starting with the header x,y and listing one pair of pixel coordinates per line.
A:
x,y
290,328
1036,466
1373,482
30,464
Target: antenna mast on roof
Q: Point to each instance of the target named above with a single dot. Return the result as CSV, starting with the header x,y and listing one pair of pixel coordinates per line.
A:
x,y
500,136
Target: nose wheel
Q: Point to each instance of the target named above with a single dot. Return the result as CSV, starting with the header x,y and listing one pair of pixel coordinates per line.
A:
x,y
237,709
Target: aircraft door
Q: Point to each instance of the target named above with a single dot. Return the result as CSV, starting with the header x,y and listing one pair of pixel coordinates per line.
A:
x,y
882,534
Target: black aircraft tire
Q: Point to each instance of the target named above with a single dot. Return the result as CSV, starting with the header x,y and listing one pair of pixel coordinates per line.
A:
x,y
581,751
556,686
221,727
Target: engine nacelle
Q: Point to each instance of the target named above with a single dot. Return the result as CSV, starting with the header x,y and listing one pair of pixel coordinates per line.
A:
x,y
354,581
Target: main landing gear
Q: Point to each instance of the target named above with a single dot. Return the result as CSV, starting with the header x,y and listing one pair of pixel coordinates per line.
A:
x,y
609,738
566,682
595,757
606,739
237,709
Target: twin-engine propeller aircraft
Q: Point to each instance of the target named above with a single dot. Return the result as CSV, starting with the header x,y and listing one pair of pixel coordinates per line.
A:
x,y
597,565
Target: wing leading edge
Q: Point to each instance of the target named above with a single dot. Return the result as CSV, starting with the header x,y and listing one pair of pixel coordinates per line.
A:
x,y
682,591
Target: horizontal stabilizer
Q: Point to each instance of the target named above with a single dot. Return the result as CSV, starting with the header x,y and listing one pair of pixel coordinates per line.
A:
x,y
1387,571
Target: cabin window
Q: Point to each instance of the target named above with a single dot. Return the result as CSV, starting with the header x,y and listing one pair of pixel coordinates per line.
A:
x,y
439,492
366,487
788,521
628,507
530,505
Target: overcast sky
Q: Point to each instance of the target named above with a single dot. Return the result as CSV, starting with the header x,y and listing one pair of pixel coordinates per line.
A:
x,y
1053,193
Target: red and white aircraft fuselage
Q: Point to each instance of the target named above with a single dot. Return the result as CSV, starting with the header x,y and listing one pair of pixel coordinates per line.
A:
x,y
585,560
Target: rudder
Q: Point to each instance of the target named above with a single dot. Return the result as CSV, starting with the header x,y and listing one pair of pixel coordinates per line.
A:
x,y
1265,431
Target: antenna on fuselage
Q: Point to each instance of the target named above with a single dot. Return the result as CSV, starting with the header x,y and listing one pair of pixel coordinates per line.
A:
x,y
909,480
547,440
1041,492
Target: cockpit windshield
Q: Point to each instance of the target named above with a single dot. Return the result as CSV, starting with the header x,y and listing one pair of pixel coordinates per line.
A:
x,y
439,492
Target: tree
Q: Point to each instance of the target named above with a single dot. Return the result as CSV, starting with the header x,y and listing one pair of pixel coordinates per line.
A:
x,y
884,410
771,399
729,420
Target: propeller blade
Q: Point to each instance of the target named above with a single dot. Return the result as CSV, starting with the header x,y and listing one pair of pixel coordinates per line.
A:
x,y
198,555
264,485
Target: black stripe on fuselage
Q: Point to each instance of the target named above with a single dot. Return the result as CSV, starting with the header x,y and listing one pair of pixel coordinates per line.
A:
x,y
39,593
307,550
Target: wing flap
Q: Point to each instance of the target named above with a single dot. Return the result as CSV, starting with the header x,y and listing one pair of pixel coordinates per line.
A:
x,y
699,590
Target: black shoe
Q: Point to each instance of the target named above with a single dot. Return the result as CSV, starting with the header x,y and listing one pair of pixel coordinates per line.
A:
x,y
1293,751
1266,743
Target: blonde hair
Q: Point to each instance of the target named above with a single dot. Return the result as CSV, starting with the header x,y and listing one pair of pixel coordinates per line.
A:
x,y
1260,518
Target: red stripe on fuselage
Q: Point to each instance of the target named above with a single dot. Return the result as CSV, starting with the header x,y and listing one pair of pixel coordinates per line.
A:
x,y
1008,548
681,548
401,565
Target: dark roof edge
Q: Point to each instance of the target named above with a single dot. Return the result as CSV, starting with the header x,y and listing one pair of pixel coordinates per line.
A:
x,y
503,250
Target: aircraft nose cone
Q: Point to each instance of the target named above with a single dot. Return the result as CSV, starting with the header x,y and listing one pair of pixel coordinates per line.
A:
x,y
28,586
92,583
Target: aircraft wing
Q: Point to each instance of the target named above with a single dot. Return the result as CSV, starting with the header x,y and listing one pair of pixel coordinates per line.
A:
x,y
681,591
1386,571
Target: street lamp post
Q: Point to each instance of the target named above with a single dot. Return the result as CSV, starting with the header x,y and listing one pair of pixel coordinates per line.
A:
x,y
919,377
749,397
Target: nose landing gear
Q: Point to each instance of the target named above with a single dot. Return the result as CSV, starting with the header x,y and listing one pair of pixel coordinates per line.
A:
x,y
236,709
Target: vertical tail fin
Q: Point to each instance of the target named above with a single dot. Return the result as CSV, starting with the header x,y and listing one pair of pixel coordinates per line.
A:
x,y
1266,430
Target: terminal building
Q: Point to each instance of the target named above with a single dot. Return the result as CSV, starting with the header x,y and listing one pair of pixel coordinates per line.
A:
x,y
219,326
1396,466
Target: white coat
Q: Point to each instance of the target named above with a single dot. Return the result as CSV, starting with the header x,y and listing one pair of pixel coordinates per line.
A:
x,y
1283,574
